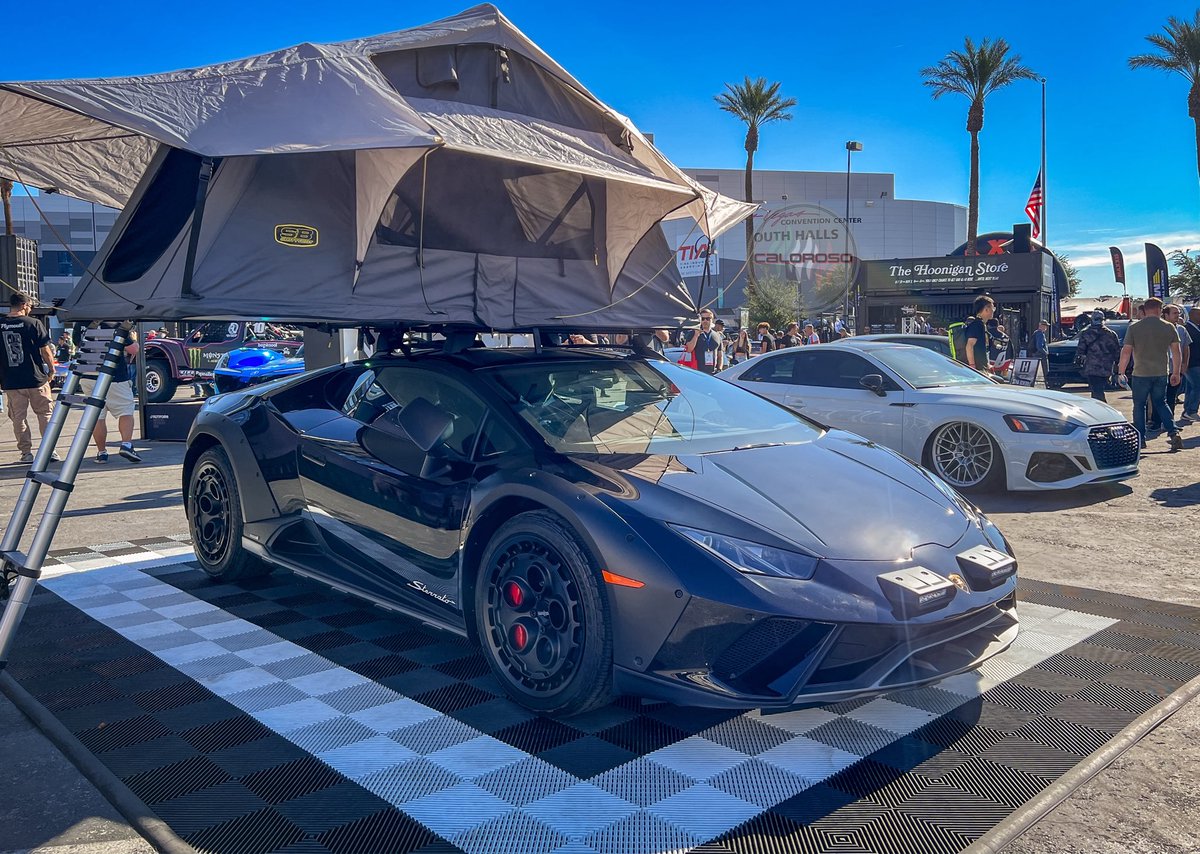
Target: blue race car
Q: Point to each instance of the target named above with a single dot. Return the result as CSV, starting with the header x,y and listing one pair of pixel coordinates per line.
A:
x,y
249,366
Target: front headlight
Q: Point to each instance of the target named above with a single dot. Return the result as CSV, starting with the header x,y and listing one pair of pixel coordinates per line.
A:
x,y
1034,424
752,558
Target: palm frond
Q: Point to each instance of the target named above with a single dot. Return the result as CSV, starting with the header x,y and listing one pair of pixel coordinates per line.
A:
x,y
1178,49
755,101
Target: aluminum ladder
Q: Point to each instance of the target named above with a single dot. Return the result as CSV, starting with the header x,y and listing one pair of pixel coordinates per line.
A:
x,y
98,359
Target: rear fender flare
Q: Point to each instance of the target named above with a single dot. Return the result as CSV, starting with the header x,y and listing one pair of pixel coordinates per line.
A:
x,y
162,353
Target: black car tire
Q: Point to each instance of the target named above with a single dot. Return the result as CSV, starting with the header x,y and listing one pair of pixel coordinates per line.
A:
x,y
550,644
972,434
160,385
214,512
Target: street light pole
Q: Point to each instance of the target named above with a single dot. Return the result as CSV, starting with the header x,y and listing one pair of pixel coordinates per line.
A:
x,y
851,147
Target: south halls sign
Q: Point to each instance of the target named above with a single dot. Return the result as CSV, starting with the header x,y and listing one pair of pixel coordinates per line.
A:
x,y
1008,272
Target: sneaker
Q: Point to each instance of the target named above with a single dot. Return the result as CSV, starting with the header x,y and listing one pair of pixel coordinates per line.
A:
x,y
27,457
129,453
54,457
102,456
1176,442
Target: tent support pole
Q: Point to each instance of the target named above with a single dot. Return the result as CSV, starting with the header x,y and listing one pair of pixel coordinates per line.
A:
x,y
189,264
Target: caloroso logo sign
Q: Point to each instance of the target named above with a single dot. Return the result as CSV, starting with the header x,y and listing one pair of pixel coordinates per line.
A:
x,y
292,234
809,245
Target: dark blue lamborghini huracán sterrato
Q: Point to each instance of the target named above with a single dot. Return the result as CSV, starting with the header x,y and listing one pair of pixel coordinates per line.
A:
x,y
601,522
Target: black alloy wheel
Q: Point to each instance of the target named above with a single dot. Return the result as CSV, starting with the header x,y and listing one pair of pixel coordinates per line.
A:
x,y
542,617
215,519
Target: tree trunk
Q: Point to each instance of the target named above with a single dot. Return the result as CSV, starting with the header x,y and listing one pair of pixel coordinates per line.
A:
x,y
749,219
973,196
6,188
1197,121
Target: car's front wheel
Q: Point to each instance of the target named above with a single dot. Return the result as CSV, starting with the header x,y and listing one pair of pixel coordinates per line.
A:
x,y
214,511
965,456
542,617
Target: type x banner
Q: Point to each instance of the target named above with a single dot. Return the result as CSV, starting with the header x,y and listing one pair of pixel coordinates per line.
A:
x,y
1118,264
1157,277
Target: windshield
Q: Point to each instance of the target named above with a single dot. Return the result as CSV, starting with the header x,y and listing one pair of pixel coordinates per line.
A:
x,y
622,407
923,368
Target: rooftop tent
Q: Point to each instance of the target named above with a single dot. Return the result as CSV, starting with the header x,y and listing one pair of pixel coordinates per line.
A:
x,y
449,173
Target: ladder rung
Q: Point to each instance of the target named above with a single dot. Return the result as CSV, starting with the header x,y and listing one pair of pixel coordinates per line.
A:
x,y
16,560
49,479
80,400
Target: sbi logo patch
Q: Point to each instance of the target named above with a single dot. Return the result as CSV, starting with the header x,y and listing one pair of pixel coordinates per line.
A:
x,y
296,235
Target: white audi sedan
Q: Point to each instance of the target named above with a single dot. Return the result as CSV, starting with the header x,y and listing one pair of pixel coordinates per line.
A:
x,y
972,433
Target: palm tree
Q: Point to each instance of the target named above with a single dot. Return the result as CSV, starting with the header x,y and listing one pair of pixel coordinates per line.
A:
x,y
756,103
6,188
975,72
1179,46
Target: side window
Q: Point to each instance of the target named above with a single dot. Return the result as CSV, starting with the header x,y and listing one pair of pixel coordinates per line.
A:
x,y
402,385
832,369
367,399
496,440
775,369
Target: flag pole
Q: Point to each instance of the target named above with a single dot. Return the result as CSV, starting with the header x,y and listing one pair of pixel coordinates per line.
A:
x,y
1044,182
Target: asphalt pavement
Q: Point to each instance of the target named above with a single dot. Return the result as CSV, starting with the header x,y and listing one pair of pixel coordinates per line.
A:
x,y
1136,538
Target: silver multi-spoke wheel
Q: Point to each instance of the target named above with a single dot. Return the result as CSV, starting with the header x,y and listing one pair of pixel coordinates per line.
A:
x,y
963,455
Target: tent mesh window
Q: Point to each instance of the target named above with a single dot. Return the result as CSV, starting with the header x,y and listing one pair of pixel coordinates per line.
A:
x,y
489,76
160,216
508,209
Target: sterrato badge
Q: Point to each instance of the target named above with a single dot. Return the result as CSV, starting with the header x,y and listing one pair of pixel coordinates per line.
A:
x,y
959,582
291,234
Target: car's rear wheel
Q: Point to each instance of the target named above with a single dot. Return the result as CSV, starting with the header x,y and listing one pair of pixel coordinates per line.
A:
x,y
542,616
966,457
214,511
160,385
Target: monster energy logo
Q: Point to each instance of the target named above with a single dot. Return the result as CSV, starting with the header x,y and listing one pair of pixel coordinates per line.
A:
x,y
194,354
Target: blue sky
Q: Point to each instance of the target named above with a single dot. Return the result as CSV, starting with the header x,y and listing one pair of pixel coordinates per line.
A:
x,y
1121,147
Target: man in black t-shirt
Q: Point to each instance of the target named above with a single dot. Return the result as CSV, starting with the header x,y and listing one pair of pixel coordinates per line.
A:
x,y
26,366
976,333
706,345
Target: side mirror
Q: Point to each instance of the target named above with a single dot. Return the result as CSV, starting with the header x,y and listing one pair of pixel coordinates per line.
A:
x,y
873,382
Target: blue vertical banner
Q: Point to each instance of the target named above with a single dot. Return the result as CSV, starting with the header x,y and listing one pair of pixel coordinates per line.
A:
x,y
1157,277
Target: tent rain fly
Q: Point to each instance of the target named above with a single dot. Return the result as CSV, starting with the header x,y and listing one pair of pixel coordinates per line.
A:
x,y
451,173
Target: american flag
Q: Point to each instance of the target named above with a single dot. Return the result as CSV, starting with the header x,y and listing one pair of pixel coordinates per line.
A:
x,y
1034,205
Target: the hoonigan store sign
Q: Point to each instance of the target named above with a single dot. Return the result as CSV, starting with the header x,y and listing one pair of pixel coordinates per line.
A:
x,y
1033,271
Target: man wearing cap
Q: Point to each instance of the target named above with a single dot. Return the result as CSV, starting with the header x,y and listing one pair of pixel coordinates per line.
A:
x,y
1097,353
1041,347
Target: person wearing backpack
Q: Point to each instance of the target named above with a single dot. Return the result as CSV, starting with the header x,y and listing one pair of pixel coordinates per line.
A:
x,y
977,335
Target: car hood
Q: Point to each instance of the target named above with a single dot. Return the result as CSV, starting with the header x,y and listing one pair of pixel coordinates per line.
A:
x,y
1017,400
838,496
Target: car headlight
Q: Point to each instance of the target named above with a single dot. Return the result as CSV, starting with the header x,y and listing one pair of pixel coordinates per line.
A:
x,y
1035,424
222,362
752,558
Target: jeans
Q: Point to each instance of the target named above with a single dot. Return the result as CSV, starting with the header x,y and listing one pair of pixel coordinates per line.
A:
x,y
1191,401
1153,389
1098,385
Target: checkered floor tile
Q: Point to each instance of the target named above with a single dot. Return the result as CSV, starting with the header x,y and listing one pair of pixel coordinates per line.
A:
x,y
277,716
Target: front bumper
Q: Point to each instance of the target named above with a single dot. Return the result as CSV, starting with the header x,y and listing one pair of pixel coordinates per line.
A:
x,y
778,662
1098,454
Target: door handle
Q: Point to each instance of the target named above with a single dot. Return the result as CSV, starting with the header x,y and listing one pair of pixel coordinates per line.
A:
x,y
312,458
901,404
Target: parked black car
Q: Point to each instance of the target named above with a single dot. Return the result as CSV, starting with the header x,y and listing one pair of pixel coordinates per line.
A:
x,y
1061,362
603,523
